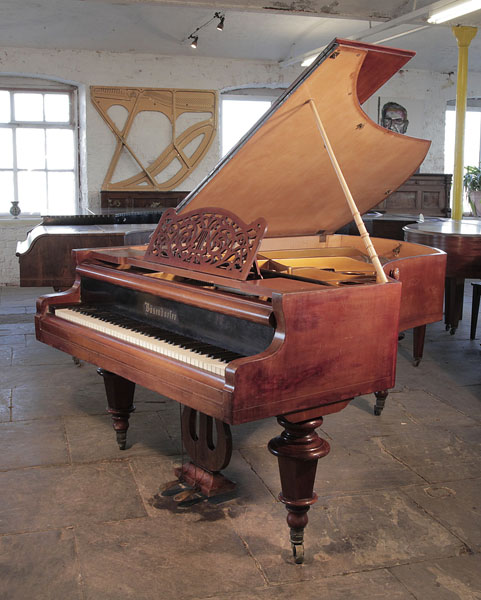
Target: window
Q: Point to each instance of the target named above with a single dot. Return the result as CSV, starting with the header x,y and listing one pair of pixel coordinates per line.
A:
x,y
241,110
472,138
38,157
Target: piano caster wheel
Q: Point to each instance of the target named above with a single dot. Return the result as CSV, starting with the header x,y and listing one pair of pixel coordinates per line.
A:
x,y
452,331
380,402
298,553
297,543
76,361
447,327
416,362
122,439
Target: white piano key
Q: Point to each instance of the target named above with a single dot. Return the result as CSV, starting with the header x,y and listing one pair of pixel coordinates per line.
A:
x,y
195,359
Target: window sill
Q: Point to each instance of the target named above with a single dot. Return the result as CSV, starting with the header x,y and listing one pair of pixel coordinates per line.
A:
x,y
20,221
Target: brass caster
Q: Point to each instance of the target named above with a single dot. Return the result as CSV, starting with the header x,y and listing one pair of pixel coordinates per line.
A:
x,y
377,411
122,439
298,553
416,362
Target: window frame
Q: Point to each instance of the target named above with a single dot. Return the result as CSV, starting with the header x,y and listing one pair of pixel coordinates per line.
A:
x,y
261,94
72,124
473,106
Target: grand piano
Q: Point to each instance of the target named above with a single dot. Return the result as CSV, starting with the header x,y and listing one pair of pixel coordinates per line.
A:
x,y
244,305
461,240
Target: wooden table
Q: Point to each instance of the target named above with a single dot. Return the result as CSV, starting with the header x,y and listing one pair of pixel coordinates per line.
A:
x,y
461,240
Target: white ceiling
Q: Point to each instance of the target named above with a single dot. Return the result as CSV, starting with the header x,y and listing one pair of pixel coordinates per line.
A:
x,y
277,30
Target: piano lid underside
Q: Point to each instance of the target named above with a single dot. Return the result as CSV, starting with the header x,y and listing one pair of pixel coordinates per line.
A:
x,y
282,171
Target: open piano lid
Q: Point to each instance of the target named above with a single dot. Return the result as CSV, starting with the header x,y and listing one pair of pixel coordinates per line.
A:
x,y
280,169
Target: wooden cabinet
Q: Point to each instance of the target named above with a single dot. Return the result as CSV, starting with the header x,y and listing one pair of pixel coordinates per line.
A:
x,y
139,200
426,193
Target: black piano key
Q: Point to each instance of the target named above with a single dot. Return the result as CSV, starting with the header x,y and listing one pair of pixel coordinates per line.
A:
x,y
110,315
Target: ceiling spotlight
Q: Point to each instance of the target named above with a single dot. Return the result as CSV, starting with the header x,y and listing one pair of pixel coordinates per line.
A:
x,y
221,17
193,38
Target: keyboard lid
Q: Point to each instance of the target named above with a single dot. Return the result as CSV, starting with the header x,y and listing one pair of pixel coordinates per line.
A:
x,y
280,169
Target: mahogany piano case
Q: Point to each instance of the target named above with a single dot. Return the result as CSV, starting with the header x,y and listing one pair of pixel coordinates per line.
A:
x,y
245,305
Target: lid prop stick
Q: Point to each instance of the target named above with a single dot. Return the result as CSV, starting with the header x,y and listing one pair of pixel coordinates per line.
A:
x,y
380,275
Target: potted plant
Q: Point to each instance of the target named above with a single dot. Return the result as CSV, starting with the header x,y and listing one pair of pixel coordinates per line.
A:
x,y
472,185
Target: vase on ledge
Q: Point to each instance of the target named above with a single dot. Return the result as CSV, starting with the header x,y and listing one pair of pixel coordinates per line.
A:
x,y
15,209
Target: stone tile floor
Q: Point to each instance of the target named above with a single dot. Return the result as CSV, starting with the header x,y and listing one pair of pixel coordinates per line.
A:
x,y
399,505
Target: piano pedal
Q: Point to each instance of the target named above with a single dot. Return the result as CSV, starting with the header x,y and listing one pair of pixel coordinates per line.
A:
x,y
222,498
189,498
172,488
186,495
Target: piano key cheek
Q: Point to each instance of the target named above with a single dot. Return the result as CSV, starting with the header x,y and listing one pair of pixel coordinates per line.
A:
x,y
70,296
256,362
311,368
262,362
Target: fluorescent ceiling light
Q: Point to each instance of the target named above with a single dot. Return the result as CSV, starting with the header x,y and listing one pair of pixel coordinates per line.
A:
x,y
454,10
307,62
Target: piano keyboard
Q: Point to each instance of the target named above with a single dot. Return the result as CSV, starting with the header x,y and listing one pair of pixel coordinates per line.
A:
x,y
177,346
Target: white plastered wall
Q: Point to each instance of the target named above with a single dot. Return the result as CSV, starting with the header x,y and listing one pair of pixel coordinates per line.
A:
x,y
139,70
88,68
429,90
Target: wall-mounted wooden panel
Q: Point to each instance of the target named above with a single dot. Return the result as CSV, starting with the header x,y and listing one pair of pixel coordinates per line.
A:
x,y
192,115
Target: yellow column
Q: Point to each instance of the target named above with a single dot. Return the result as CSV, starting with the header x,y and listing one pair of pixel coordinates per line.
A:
x,y
463,35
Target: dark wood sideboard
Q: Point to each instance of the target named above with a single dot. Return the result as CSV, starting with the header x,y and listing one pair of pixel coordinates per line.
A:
x,y
425,193
147,200
125,218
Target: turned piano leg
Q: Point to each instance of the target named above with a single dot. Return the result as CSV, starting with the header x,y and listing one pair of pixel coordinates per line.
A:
x,y
298,449
419,333
120,400
453,307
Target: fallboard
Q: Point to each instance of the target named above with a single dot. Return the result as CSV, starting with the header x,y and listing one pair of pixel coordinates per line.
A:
x,y
236,334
